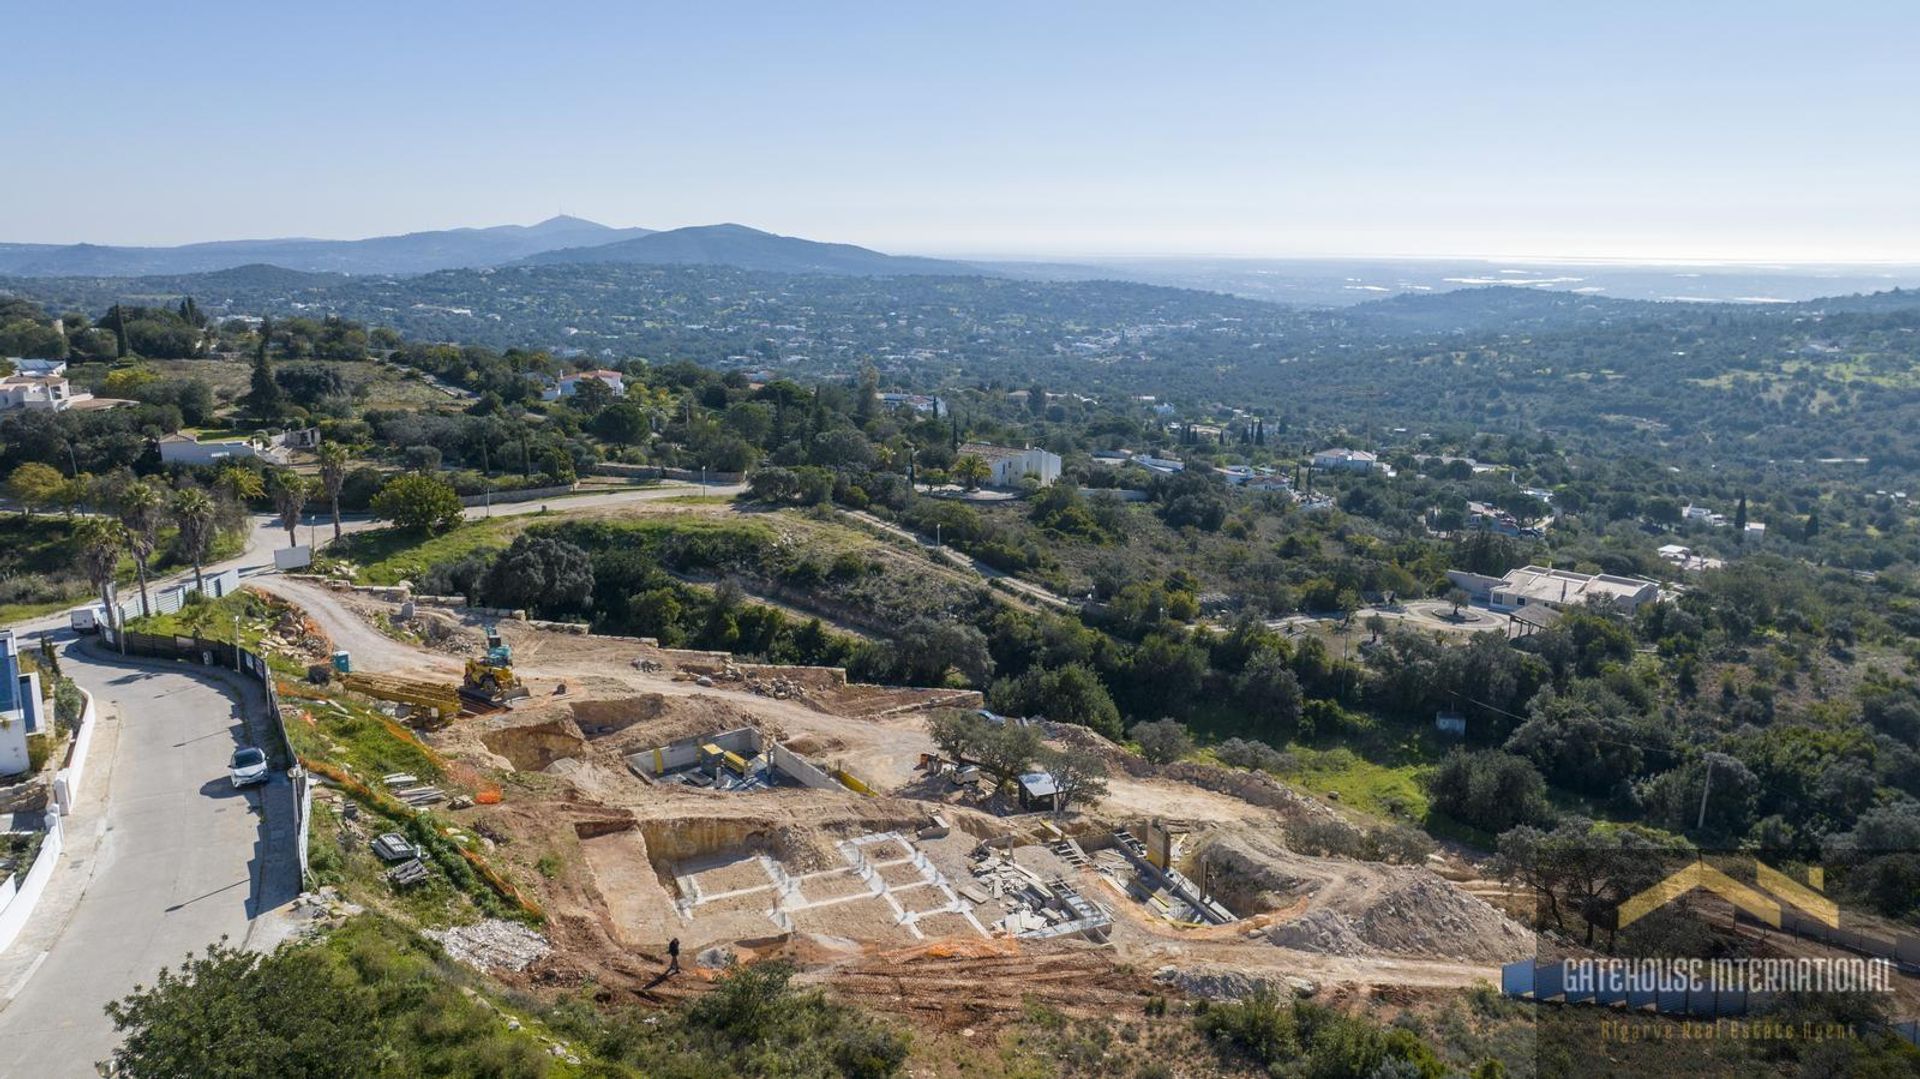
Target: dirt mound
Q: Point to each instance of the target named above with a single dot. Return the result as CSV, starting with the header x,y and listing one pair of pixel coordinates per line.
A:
x,y
1226,983
1333,906
1426,915
1324,932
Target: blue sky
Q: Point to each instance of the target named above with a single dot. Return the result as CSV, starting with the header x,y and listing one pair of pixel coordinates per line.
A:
x,y
1749,131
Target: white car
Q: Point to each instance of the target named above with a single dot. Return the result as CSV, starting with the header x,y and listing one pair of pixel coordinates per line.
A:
x,y
249,766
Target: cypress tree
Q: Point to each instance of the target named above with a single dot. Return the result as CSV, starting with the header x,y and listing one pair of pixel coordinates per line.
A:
x,y
263,391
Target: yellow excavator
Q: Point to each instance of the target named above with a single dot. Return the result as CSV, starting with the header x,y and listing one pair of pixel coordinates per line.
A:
x,y
490,678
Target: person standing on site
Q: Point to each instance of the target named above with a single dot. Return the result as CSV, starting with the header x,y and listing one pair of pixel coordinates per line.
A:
x,y
673,956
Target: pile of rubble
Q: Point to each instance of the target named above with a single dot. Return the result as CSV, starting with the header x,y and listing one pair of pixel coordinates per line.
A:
x,y
780,689
1226,983
322,909
1034,905
495,944
1325,932
294,633
1427,916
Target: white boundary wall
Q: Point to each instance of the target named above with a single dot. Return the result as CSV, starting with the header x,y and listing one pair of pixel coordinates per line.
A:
x,y
20,893
66,782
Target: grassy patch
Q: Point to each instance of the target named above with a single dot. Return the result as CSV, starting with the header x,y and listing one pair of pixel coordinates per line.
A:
x,y
1389,791
212,619
391,555
345,732
37,574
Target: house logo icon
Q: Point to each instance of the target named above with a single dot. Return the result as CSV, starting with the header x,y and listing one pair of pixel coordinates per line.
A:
x,y
1761,902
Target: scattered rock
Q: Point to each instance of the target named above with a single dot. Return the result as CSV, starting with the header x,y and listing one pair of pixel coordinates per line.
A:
x,y
1225,983
715,958
493,944
1326,932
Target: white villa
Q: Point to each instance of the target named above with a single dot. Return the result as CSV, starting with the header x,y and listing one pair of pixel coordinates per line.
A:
x,y
36,393
568,385
1345,460
1555,588
185,449
1010,466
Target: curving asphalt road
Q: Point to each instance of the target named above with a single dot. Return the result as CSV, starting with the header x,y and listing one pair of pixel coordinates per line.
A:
x,y
163,858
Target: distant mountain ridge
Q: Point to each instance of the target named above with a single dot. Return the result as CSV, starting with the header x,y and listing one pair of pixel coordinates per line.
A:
x,y
410,253
751,249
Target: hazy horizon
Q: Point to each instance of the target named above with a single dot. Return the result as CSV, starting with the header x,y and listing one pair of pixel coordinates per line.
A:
x,y
1655,135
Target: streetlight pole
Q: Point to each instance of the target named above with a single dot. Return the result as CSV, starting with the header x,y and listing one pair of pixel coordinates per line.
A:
x,y
236,642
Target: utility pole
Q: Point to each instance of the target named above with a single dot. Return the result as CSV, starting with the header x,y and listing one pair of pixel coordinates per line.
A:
x,y
486,477
236,642
1701,824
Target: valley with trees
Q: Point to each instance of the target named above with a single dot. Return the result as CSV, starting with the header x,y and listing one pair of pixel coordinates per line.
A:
x,y
1242,610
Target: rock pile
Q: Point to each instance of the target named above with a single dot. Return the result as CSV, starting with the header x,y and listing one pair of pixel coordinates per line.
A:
x,y
1325,932
781,689
322,909
494,944
1225,983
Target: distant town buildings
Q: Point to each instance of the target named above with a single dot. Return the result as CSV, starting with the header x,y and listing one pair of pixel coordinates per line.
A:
x,y
1490,518
1686,558
919,402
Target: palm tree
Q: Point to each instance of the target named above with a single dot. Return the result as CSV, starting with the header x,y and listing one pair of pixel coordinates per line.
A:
x,y
195,513
333,476
239,482
140,506
972,470
98,542
289,490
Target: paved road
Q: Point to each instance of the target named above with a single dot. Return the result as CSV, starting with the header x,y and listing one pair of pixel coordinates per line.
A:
x,y
266,535
163,858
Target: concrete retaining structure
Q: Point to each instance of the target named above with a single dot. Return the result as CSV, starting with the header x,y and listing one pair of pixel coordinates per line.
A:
x,y
801,772
525,494
66,782
21,892
659,472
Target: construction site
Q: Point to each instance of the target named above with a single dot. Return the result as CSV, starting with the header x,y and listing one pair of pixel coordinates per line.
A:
x,y
640,795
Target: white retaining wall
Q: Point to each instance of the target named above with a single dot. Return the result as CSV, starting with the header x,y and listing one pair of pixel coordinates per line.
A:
x,y
20,893
66,782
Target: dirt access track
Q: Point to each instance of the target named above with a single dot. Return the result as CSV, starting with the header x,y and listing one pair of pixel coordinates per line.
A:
x,y
623,863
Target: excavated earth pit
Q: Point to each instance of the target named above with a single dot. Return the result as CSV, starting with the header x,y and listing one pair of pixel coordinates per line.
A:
x,y
535,746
